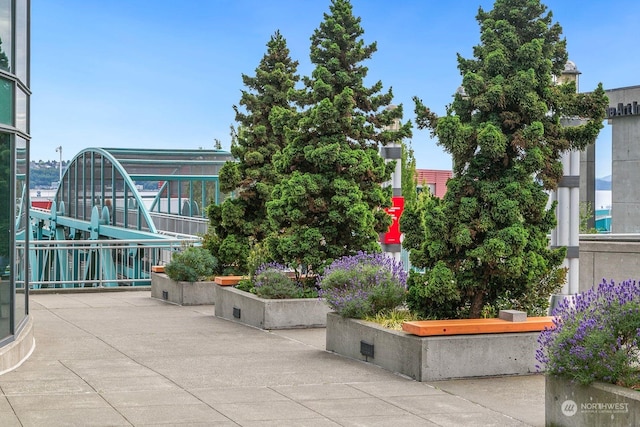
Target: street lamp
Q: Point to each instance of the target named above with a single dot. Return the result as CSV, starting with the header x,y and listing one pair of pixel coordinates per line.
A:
x,y
59,149
570,74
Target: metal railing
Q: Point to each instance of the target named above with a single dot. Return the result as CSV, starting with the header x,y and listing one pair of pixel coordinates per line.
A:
x,y
193,226
98,263
611,237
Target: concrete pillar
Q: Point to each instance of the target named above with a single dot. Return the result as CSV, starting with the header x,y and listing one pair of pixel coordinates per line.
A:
x,y
568,216
588,183
393,152
566,234
573,248
568,208
624,115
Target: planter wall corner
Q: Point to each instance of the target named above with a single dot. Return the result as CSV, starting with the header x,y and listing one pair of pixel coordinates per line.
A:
x,y
247,308
182,293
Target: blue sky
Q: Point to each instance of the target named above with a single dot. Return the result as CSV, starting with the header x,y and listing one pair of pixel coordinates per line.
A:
x,y
165,74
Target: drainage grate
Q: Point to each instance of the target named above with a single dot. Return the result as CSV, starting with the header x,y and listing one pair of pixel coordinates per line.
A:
x,y
165,295
236,312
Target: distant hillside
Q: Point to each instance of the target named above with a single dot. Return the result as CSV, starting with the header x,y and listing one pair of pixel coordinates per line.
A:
x,y
44,174
604,183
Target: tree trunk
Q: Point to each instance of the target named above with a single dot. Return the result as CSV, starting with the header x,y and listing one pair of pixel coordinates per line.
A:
x,y
476,305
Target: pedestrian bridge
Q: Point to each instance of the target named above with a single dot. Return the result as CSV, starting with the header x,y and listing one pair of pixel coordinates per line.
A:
x,y
118,211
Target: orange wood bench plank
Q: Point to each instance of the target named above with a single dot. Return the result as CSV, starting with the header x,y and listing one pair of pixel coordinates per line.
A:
x,y
234,280
157,268
426,328
228,280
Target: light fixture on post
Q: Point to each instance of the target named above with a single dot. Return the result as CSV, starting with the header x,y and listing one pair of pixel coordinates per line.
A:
x,y
463,93
570,74
59,149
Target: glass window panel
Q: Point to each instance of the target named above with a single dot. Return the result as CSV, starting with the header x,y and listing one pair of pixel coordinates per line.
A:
x,y
21,110
20,308
118,201
71,207
5,230
6,101
5,35
22,192
22,208
22,42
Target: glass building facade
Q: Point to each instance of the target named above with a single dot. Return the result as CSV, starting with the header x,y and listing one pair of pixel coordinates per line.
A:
x,y
14,163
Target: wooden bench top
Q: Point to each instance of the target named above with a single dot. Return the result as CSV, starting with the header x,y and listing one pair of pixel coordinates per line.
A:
x,y
234,280
228,280
425,328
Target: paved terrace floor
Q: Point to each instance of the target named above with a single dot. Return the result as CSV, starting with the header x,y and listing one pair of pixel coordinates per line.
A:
x,y
123,358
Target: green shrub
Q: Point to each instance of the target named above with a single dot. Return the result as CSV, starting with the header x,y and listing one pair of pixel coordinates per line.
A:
x,y
273,281
393,319
246,285
193,264
258,256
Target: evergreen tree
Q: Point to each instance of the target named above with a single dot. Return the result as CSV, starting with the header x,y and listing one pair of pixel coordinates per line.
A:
x,y
487,240
408,177
241,222
330,201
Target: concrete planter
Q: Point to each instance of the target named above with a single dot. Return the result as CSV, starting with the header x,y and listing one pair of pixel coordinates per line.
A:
x,y
244,307
433,358
598,404
182,293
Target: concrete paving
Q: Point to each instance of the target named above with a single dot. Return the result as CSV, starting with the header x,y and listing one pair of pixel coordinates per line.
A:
x,y
123,358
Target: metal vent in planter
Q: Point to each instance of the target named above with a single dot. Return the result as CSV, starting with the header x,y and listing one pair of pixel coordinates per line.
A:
x,y
366,349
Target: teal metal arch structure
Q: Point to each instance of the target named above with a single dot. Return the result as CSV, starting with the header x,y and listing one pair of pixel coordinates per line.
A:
x,y
124,194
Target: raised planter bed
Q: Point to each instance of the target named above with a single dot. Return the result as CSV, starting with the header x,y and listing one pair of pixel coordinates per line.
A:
x,y
244,307
182,293
598,404
432,358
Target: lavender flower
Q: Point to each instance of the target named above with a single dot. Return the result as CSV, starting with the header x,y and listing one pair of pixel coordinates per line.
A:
x,y
596,335
268,267
363,284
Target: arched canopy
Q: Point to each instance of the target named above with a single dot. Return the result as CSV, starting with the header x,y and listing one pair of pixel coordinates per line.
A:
x,y
136,185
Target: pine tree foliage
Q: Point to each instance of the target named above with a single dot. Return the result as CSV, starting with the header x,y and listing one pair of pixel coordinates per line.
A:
x,y
409,175
486,241
242,221
330,201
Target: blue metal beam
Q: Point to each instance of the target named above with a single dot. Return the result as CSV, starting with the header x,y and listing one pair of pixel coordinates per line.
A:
x,y
103,230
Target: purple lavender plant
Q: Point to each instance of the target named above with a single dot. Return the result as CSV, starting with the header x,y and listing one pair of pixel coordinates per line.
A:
x,y
596,336
271,266
363,284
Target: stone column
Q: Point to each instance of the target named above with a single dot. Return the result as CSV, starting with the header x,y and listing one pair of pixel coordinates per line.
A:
x,y
568,209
